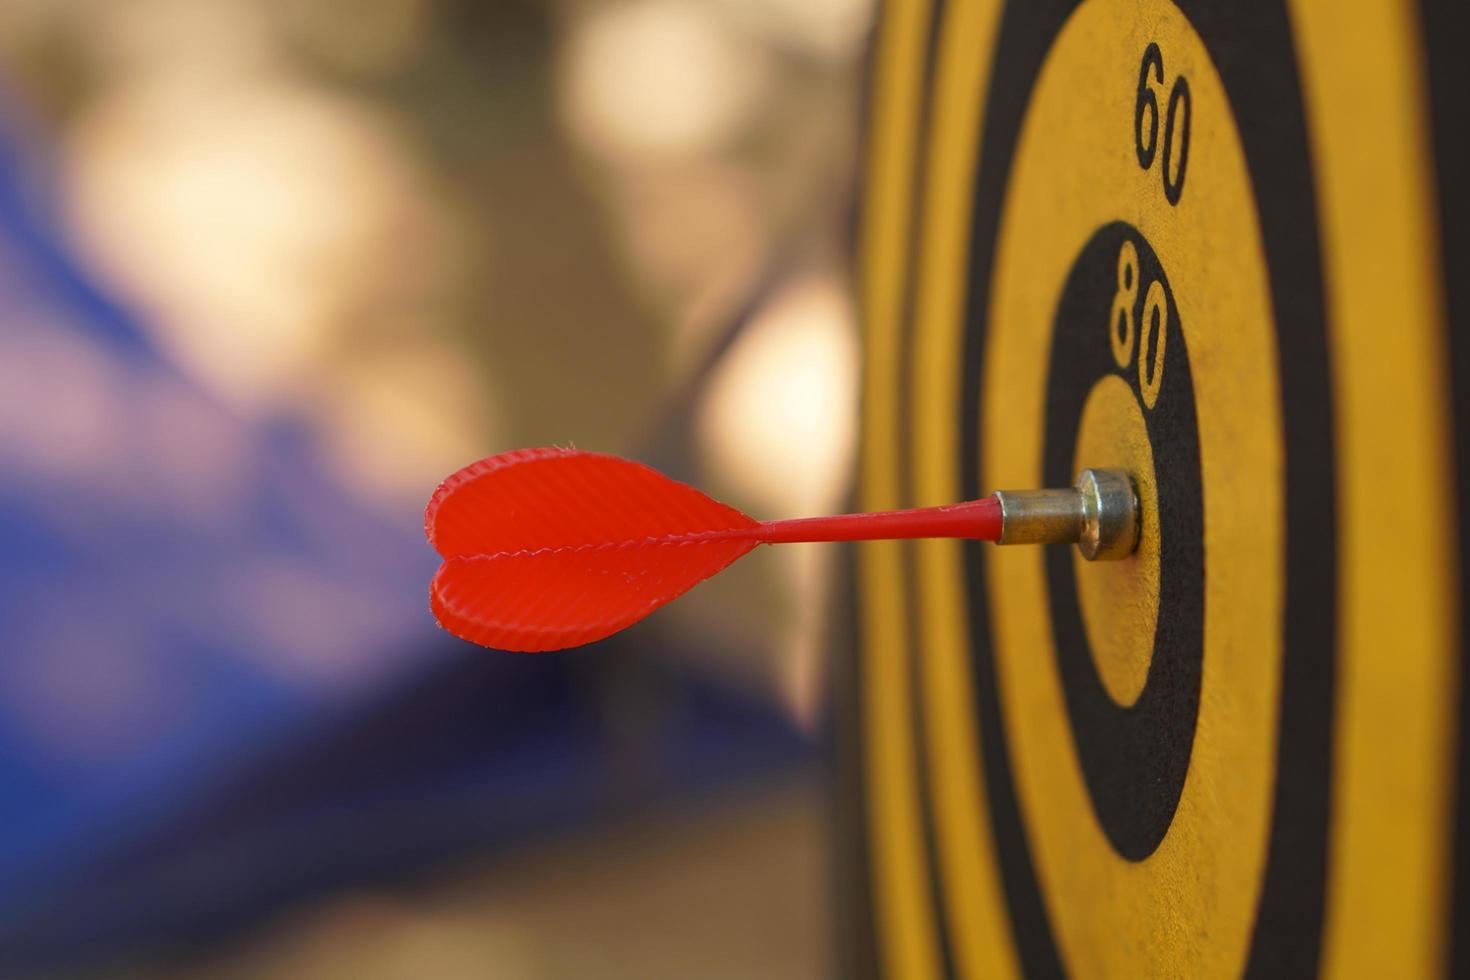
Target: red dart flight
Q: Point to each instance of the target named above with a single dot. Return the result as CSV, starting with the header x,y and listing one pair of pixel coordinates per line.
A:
x,y
551,548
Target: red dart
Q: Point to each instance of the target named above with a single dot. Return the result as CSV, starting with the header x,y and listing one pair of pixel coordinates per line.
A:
x,y
551,548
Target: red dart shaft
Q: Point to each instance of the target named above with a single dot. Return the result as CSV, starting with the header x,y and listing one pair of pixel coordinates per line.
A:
x,y
979,519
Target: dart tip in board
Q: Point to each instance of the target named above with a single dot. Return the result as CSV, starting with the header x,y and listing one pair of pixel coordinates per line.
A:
x,y
551,548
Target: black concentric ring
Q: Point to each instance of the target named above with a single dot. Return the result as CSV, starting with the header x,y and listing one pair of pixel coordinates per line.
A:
x,y
1134,758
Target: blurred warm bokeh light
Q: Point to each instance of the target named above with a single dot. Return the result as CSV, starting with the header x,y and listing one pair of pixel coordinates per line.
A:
x,y
437,248
410,234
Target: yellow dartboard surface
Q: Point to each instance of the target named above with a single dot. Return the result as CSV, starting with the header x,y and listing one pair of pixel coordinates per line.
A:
x,y
1223,246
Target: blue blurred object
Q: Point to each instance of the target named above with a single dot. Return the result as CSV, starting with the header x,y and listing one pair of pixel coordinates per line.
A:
x,y
176,586
220,687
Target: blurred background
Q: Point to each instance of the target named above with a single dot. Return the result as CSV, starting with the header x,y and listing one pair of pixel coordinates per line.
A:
x,y
271,269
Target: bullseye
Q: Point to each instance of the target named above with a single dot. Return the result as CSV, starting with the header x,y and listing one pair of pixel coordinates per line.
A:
x,y
1115,595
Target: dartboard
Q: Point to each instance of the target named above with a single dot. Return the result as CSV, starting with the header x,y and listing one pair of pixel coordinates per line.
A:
x,y
1221,246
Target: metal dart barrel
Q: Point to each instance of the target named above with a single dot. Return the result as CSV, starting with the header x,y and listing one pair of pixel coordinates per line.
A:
x,y
1099,514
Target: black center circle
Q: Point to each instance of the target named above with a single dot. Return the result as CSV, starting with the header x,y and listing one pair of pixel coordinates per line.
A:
x,y
1134,759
